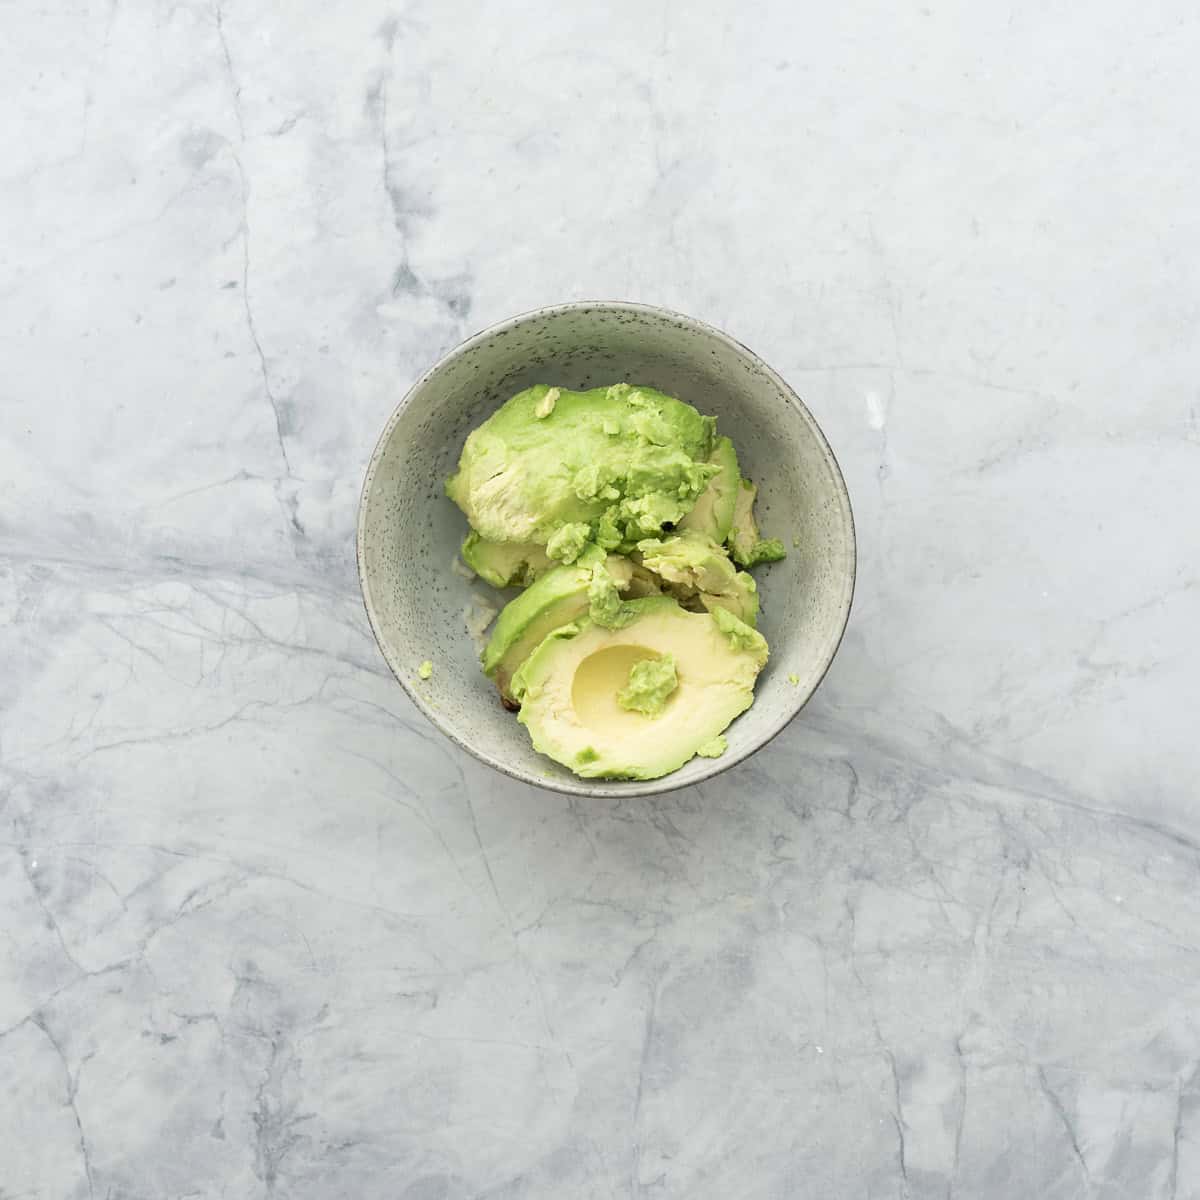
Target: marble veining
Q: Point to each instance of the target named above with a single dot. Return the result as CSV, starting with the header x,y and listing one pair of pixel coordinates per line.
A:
x,y
267,933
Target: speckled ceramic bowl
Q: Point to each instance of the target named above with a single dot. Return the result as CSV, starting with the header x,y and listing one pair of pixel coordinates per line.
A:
x,y
409,533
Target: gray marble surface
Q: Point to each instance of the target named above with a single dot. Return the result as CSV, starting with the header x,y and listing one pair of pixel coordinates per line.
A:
x,y
265,933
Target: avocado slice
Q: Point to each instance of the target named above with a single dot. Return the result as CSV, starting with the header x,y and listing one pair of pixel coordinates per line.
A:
x,y
622,461
557,598
745,544
505,564
698,573
571,689
712,514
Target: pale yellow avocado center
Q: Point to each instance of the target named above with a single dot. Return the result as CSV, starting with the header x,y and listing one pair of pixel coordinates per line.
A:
x,y
600,681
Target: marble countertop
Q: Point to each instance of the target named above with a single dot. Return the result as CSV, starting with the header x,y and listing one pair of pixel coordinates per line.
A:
x,y
266,933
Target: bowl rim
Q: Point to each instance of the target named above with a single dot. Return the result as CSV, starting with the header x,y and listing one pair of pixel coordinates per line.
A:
x,y
616,788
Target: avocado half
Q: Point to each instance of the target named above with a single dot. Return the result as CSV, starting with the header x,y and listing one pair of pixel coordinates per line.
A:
x,y
569,689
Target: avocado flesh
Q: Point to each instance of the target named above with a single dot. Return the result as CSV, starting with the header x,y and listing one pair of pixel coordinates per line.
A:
x,y
698,573
556,599
712,514
505,564
746,547
598,503
570,689
623,461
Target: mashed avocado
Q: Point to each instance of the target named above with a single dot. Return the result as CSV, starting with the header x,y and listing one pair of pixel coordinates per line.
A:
x,y
625,518
651,682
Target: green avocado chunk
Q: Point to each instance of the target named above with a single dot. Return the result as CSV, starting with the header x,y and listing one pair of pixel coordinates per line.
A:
x,y
740,635
621,461
698,573
505,564
747,548
651,682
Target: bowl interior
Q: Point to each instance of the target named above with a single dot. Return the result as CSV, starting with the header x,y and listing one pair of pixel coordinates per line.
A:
x,y
409,532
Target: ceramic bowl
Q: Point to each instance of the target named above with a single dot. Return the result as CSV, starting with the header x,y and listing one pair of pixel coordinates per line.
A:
x,y
409,532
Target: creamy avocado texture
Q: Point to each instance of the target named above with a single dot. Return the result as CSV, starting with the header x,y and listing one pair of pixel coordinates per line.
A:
x,y
697,571
585,705
620,461
747,548
652,681
594,583
625,518
712,514
505,564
